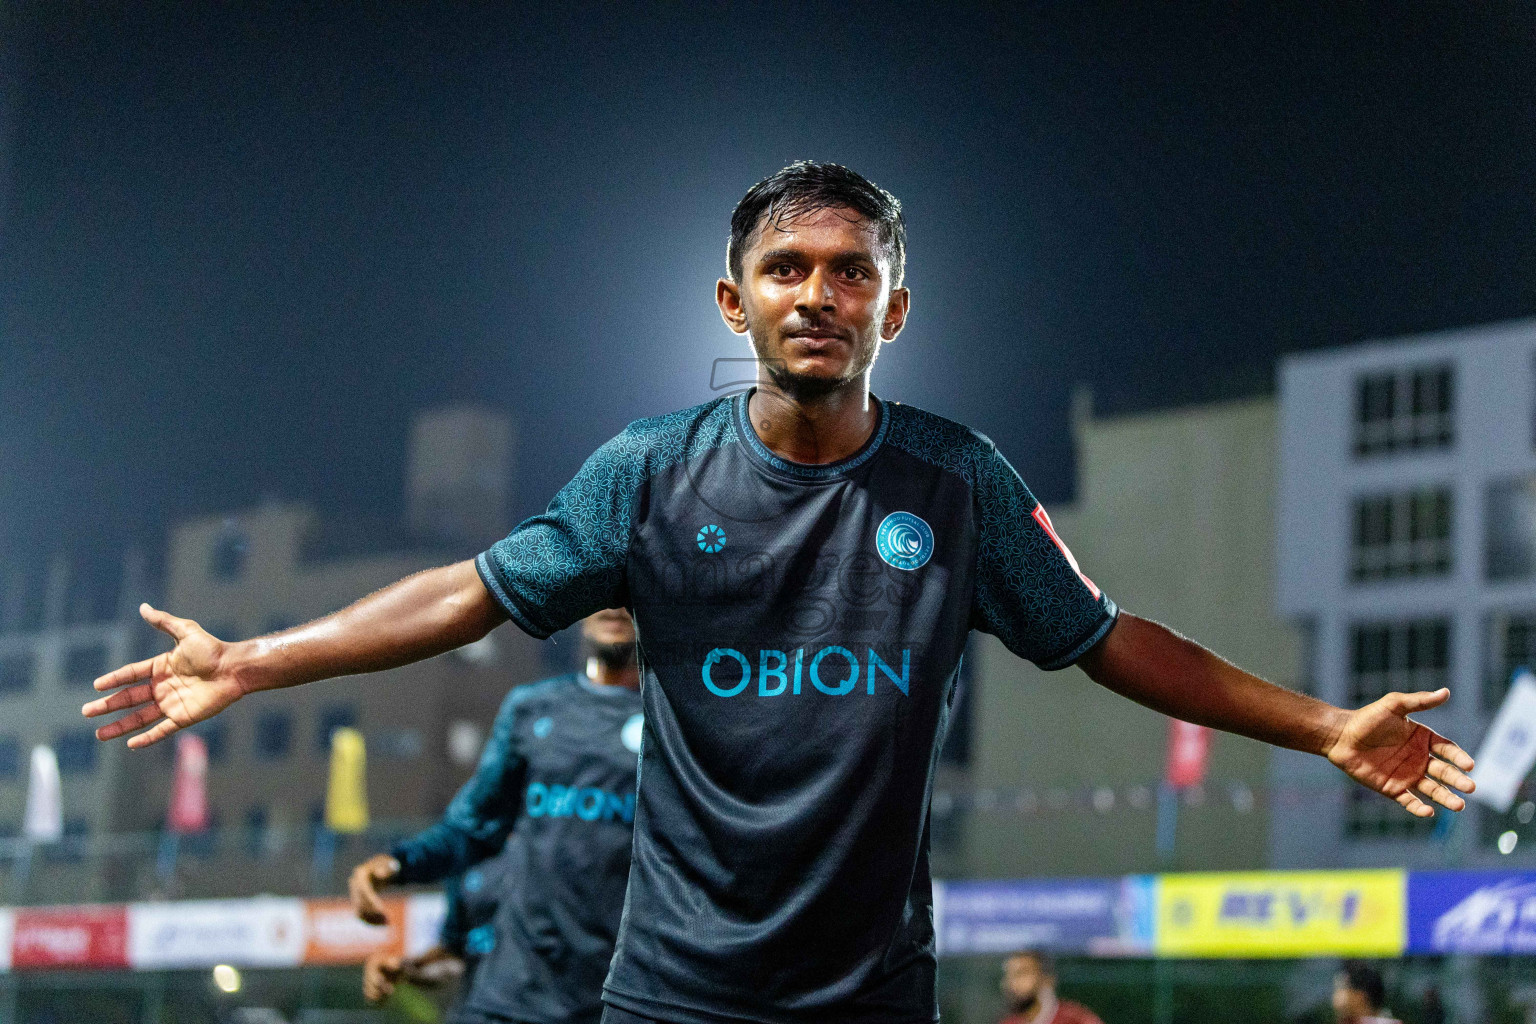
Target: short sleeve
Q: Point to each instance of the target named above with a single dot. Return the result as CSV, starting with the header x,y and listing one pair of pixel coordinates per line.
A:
x,y
561,566
1029,591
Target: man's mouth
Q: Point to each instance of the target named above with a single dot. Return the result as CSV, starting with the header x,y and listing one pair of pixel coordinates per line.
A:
x,y
815,339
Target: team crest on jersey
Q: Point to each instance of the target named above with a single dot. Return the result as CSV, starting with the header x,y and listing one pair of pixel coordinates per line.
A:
x,y
904,541
542,727
630,734
711,539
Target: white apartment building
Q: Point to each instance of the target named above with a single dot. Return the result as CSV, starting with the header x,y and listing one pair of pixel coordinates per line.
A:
x,y
59,630
1407,555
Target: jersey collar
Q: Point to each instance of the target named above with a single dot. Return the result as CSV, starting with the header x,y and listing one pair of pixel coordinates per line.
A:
x,y
760,454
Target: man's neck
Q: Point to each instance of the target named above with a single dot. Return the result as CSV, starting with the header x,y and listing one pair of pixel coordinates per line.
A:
x,y
813,431
604,674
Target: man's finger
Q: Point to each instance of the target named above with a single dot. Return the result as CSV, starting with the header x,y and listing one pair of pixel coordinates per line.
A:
x,y
132,697
1416,807
1408,703
365,899
1450,775
1446,750
161,730
1441,795
129,722
125,675
165,622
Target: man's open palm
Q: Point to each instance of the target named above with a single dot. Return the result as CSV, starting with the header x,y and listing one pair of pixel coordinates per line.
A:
x,y
1382,748
175,689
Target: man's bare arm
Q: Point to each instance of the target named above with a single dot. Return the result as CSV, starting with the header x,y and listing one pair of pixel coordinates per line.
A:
x,y
420,616
1377,745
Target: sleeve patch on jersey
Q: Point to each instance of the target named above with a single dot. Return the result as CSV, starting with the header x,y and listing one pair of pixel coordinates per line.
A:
x,y
1044,519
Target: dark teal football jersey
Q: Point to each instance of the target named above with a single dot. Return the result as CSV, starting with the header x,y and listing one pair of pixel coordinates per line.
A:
x,y
547,816
800,632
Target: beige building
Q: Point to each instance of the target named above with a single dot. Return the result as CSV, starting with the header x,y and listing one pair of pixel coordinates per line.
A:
x,y
1174,519
271,567
59,630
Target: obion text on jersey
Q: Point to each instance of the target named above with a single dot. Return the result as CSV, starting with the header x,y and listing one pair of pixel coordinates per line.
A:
x,y
835,671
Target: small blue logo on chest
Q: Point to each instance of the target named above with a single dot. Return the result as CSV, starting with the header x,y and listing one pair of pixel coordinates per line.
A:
x,y
904,541
542,727
711,539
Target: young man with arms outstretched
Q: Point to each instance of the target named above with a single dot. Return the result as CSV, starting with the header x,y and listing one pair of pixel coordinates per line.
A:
x,y
550,806
804,563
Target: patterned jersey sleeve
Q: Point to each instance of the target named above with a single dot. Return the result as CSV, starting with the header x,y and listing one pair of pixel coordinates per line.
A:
x,y
561,566
1030,593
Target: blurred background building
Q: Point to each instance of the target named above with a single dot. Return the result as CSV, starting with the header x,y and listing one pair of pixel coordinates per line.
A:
x,y
1407,552
63,622
1174,520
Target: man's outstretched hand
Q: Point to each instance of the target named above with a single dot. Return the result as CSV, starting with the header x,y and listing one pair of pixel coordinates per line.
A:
x,y
186,684
1380,747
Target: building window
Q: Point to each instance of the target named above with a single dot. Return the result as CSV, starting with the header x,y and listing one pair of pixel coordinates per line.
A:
x,y
10,758
274,733
214,735
230,549
1400,536
1406,656
256,844
1509,530
1373,816
1404,410
1306,677
76,751
15,673
205,843
1510,643
333,717
71,848
84,664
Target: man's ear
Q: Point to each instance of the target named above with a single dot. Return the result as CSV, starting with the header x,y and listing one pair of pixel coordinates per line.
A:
x,y
896,310
728,298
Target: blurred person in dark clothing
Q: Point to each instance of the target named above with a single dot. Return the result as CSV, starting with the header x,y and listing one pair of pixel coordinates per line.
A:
x,y
1029,985
1358,995
540,838
1433,1011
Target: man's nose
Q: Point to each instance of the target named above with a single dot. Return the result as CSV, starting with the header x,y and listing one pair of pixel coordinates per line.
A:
x,y
816,293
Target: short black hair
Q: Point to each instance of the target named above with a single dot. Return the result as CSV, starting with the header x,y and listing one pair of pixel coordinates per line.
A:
x,y
808,185
1043,960
1365,979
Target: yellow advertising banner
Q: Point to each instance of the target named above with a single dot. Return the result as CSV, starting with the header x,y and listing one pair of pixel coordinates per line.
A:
x,y
1282,914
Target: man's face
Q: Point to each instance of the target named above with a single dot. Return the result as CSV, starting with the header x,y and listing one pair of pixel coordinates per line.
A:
x,y
816,298
1023,982
1349,1004
611,627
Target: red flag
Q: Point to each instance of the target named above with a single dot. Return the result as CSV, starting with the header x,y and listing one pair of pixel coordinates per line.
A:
x,y
189,786
1189,746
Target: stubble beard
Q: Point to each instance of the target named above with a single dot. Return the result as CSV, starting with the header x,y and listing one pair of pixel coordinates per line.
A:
x,y
614,657
806,388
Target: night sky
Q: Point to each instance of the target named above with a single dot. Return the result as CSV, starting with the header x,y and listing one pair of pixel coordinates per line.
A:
x,y
238,249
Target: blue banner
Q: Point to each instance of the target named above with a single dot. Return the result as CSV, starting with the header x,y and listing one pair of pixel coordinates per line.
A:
x,y
1471,912
1099,916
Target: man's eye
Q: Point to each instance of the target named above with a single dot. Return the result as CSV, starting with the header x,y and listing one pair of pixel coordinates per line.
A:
x,y
782,270
854,274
